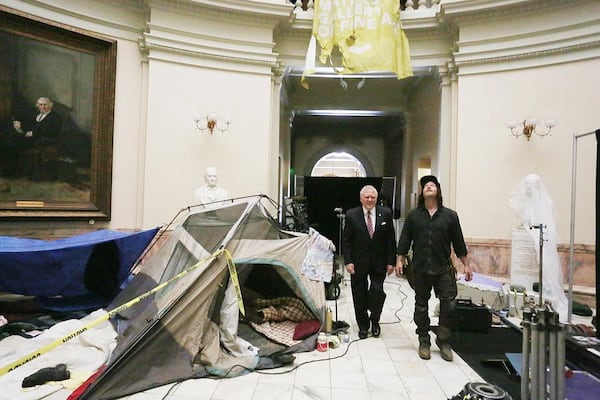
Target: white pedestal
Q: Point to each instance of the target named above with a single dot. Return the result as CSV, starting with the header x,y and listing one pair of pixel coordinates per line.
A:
x,y
524,264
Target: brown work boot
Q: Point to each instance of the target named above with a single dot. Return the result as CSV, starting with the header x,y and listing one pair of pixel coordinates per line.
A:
x,y
424,347
443,342
445,350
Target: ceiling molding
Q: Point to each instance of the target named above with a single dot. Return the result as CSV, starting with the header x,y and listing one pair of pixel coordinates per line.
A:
x,y
259,11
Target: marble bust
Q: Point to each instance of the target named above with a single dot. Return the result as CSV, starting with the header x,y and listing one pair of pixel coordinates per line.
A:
x,y
210,194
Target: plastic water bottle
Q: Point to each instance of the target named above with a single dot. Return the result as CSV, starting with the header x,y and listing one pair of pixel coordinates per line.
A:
x,y
322,342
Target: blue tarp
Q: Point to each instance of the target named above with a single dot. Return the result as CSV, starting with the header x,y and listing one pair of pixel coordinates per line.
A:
x,y
87,268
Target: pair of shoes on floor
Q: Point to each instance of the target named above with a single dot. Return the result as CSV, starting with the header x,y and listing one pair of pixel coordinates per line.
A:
x,y
375,329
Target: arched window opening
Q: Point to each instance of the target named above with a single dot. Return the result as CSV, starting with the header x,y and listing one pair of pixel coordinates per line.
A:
x,y
339,164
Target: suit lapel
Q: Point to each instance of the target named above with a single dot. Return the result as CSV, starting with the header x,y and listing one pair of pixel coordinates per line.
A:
x,y
376,221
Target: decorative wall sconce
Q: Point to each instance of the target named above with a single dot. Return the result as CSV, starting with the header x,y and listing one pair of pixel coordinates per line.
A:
x,y
211,122
530,126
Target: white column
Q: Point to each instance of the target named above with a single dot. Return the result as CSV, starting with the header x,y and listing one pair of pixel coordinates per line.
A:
x,y
446,168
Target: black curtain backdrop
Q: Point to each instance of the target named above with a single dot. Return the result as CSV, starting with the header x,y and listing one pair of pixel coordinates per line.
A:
x,y
597,226
325,194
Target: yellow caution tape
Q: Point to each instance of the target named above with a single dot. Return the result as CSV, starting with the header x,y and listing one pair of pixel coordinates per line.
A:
x,y
235,280
37,353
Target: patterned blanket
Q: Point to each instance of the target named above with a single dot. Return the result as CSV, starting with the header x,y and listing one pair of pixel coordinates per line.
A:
x,y
280,316
280,332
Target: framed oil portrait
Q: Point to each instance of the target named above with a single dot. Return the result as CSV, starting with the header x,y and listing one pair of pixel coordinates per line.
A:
x,y
57,86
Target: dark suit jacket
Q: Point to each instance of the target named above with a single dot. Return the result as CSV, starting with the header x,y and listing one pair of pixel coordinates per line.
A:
x,y
369,254
47,129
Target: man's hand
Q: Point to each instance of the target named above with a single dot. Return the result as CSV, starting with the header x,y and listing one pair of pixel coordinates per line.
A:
x,y
468,273
400,265
390,269
467,268
17,126
350,268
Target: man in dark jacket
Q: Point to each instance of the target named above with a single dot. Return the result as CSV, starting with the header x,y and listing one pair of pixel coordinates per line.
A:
x,y
432,231
32,139
369,254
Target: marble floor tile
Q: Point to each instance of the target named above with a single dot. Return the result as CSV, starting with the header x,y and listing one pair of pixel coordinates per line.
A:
x,y
445,369
382,395
346,364
385,383
314,374
417,385
197,388
349,380
349,394
304,392
238,388
268,391
412,368
404,355
376,366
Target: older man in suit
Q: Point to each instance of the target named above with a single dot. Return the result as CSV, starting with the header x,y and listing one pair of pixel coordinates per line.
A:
x,y
369,250
32,141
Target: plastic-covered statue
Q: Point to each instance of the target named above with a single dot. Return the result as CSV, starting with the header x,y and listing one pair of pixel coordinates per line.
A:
x,y
534,207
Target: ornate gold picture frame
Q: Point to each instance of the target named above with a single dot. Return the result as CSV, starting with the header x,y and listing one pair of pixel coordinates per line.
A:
x,y
55,165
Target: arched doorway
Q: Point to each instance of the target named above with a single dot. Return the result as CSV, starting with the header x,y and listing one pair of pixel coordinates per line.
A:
x,y
339,164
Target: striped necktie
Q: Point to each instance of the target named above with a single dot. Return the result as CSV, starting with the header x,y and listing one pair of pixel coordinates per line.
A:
x,y
370,224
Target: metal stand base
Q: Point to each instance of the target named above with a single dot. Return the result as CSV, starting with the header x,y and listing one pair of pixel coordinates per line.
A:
x,y
543,369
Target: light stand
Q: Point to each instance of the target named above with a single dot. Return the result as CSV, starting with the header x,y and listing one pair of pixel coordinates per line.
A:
x,y
337,324
543,347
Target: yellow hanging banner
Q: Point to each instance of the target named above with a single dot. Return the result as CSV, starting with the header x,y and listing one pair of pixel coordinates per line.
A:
x,y
367,33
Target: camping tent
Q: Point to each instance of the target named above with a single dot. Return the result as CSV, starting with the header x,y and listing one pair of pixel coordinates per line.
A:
x,y
190,328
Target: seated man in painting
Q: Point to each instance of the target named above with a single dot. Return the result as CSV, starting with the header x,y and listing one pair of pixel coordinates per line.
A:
x,y
32,145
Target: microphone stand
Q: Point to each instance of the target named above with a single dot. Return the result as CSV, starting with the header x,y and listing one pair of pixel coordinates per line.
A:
x,y
341,217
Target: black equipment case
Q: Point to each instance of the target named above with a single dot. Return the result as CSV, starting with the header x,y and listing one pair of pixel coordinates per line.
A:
x,y
472,317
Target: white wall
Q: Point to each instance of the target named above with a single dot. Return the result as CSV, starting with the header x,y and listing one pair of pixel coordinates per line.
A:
x,y
129,138
490,162
541,62
424,123
177,153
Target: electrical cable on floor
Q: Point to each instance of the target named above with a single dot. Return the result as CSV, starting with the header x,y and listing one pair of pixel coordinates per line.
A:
x,y
404,297
174,386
